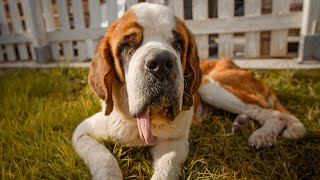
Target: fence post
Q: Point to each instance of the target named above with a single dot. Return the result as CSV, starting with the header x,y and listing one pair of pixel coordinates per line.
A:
x,y
252,42
310,31
163,2
226,43
35,27
279,38
200,12
4,27
177,7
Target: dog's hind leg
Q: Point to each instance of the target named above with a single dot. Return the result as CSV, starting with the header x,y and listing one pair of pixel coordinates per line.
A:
x,y
271,127
240,121
85,139
272,122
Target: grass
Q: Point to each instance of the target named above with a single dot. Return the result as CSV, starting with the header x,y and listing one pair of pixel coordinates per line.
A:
x,y
39,109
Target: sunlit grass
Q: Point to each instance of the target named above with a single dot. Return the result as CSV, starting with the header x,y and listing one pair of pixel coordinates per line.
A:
x,y
39,110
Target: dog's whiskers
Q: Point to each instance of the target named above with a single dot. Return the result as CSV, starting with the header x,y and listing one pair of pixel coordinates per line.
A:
x,y
186,83
124,104
122,87
187,94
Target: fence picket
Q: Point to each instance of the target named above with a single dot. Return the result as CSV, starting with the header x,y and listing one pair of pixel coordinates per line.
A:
x,y
200,12
278,41
17,25
94,14
130,3
64,26
112,11
252,44
177,7
79,24
50,26
95,20
157,2
226,46
16,42
32,10
1,54
9,48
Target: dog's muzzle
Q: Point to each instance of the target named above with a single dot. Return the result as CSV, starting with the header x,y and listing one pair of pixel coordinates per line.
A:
x,y
154,88
160,64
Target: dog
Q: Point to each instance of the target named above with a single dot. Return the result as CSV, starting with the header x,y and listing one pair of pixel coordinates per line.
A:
x,y
151,84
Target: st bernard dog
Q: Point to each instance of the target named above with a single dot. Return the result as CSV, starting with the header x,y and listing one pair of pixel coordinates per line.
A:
x,y
147,73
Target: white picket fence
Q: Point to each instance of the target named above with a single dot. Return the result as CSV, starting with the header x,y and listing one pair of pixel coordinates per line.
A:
x,y
71,28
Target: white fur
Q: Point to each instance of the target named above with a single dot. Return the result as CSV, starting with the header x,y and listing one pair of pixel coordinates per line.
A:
x,y
213,94
172,148
168,154
157,22
135,68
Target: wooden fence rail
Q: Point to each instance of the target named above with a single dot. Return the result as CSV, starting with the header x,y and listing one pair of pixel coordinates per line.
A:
x,y
68,30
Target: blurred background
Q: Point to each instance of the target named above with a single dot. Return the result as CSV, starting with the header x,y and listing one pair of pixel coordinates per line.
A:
x,y
45,31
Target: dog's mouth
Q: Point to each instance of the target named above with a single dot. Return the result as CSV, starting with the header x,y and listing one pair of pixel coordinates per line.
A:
x,y
167,110
143,121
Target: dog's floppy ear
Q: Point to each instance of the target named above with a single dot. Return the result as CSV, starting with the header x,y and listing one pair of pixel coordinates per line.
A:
x,y
102,73
192,73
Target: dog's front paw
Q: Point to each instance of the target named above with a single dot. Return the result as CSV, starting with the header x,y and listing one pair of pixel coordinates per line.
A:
x,y
263,138
110,171
108,175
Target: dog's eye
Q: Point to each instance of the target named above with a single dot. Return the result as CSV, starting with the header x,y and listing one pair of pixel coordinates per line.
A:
x,y
126,51
177,42
125,48
178,45
130,51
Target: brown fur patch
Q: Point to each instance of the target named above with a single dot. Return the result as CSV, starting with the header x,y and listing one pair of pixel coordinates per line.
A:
x,y
241,83
105,64
190,65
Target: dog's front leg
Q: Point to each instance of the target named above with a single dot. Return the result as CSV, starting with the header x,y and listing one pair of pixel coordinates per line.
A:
x,y
168,156
102,164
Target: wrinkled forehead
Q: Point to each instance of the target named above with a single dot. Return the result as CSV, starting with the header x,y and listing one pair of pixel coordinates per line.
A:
x,y
156,20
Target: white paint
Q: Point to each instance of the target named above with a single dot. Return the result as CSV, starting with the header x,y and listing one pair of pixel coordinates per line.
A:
x,y
200,12
116,9
252,49
64,25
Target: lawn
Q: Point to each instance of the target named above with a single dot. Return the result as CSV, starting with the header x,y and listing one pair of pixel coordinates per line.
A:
x,y
39,110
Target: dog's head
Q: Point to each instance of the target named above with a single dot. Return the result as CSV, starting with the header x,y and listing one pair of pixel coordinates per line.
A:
x,y
152,53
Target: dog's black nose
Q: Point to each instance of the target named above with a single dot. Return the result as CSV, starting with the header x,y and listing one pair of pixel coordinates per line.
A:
x,y
160,64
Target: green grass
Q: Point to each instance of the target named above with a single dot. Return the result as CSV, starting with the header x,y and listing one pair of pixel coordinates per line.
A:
x,y
39,109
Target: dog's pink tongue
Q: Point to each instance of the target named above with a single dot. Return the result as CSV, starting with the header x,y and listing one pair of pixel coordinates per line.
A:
x,y
144,128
